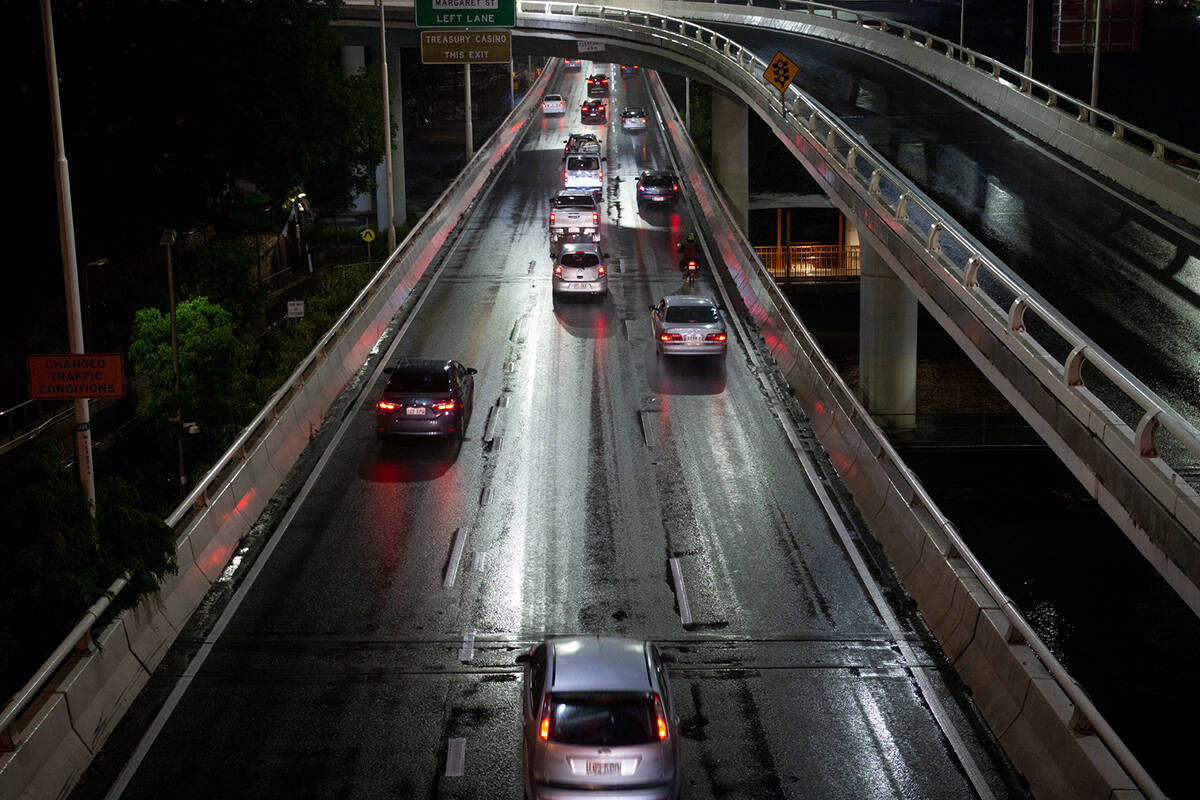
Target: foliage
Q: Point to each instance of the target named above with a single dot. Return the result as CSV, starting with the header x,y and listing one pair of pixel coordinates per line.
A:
x,y
701,130
209,364
226,272
57,560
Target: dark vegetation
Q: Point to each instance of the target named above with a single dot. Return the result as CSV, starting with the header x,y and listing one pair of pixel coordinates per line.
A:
x,y
206,118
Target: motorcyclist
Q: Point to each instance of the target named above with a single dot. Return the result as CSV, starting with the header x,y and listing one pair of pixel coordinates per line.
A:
x,y
689,250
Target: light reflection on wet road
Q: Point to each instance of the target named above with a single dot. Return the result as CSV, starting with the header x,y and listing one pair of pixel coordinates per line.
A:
x,y
340,675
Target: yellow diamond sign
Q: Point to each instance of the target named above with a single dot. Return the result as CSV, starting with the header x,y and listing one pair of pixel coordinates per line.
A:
x,y
780,72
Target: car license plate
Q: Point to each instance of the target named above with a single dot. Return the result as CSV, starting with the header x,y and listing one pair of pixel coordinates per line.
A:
x,y
603,767
415,411
693,338
572,230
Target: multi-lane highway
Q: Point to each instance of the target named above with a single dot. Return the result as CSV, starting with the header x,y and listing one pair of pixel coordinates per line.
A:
x,y
618,494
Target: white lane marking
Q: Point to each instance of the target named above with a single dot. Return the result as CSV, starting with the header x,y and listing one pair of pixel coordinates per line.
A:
x,y
456,756
193,667
489,430
631,328
456,551
496,444
648,432
685,609
485,497
477,560
974,774
467,651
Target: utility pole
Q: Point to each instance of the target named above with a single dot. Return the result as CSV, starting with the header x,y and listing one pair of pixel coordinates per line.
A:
x,y
387,135
1096,65
467,91
66,233
1029,39
167,241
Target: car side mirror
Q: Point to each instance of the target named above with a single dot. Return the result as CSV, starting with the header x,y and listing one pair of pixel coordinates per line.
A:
x,y
472,371
523,658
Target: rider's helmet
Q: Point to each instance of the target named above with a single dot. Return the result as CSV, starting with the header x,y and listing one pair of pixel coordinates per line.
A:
x,y
691,237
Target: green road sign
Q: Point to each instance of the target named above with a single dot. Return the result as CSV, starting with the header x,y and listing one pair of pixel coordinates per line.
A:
x,y
466,13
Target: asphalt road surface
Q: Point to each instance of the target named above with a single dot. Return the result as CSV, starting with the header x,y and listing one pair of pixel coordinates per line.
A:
x,y
344,664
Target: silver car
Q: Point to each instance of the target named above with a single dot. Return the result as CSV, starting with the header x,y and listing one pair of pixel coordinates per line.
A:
x,y
634,119
598,721
688,325
580,269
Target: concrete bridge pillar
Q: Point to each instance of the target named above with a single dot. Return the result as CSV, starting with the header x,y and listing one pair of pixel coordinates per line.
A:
x,y
396,109
887,343
730,158
354,60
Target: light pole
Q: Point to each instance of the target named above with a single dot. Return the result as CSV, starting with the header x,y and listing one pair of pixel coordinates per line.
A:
x,y
387,134
66,232
168,240
1029,39
962,17
1096,65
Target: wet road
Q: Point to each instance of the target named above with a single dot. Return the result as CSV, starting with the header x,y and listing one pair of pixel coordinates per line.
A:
x,y
345,666
1127,276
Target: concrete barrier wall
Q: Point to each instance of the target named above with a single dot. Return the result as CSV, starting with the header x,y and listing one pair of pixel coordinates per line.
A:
x,y
1025,707
65,726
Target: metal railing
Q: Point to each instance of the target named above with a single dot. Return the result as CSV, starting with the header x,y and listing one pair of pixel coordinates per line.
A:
x,y
809,263
1150,144
921,222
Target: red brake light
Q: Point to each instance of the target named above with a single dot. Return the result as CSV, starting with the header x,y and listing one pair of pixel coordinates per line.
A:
x,y
551,217
600,269
715,337
385,405
674,187
564,174
595,218
544,727
558,269
671,337
662,718
447,405
601,173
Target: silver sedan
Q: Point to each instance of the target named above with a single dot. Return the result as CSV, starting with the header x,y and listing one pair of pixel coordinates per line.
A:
x,y
688,325
579,269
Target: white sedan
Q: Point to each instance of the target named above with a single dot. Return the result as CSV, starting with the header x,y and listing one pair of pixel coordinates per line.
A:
x,y
633,119
554,104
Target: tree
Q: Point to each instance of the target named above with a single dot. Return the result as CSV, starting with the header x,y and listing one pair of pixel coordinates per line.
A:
x,y
210,360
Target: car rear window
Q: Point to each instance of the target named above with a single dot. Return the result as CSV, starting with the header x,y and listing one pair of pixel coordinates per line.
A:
x,y
419,382
657,180
579,260
604,720
700,314
575,202
634,112
583,162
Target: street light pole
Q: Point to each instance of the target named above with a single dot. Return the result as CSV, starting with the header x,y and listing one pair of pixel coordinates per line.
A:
x,y
66,232
168,239
1029,39
387,135
1096,65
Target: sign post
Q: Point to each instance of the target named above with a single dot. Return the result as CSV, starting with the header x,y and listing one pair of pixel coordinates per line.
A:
x,y
780,73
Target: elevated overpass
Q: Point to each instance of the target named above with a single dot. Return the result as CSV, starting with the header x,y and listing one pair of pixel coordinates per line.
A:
x,y
842,161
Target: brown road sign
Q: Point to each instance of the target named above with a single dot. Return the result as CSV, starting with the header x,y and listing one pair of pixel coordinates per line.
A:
x,y
466,47
75,376
780,72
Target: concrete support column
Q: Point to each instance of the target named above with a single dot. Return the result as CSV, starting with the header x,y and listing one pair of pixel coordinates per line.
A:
x,y
887,343
730,158
396,107
354,60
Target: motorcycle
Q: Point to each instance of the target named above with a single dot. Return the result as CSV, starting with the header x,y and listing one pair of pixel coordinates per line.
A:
x,y
690,269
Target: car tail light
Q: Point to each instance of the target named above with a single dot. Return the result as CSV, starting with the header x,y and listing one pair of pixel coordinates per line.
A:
x,y
551,217
600,269
715,337
595,218
671,337
601,173
564,174
386,405
544,725
558,269
674,187
662,718
445,405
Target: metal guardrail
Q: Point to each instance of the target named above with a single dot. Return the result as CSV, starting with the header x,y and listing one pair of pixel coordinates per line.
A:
x,y
1146,142
1036,327
809,263
79,639
821,129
